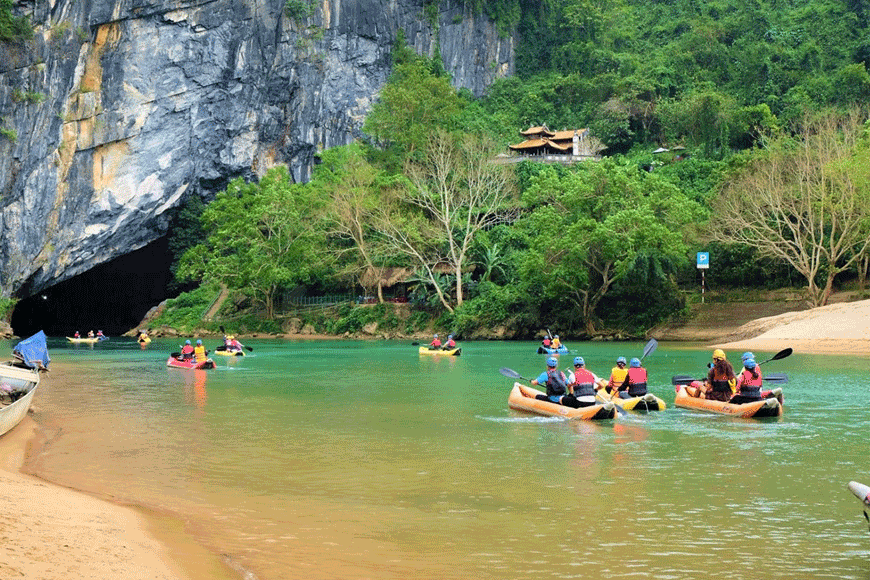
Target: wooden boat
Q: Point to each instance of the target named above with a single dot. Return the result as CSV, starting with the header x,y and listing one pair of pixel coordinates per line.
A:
x,y
561,350
647,402
84,340
862,492
522,398
438,351
189,364
17,388
771,407
222,350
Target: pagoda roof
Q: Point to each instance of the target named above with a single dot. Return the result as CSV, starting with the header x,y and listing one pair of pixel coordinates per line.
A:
x,y
537,131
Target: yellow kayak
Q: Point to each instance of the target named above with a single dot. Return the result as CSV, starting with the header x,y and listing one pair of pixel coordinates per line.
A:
x,y
647,402
144,340
222,350
83,340
452,352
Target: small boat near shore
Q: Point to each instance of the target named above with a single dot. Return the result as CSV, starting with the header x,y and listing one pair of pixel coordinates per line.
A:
x,y
439,351
19,379
189,363
86,340
862,492
522,398
770,407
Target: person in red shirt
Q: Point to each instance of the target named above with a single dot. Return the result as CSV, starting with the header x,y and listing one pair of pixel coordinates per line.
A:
x,y
435,344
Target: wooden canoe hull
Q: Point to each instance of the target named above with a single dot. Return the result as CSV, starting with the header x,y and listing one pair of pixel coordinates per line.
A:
x,y
522,398
19,379
178,364
439,352
758,409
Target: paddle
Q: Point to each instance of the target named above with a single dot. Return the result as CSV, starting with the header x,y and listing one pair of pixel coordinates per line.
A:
x,y
510,373
779,356
686,380
650,348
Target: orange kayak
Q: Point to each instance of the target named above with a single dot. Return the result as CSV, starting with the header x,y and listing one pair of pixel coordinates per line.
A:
x,y
771,407
522,398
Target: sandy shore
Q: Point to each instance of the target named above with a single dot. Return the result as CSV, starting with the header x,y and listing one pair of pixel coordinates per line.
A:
x,y
50,532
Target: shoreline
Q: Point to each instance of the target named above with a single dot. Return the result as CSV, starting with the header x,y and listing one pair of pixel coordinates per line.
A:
x,y
60,533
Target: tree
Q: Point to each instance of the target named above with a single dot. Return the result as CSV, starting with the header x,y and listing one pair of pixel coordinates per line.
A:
x,y
262,238
451,195
804,202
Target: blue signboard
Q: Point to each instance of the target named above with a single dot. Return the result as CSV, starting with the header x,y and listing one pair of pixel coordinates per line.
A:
x,y
703,260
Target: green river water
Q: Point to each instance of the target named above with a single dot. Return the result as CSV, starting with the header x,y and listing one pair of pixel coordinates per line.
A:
x,y
352,459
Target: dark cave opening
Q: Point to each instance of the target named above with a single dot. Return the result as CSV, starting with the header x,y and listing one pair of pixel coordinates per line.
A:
x,y
112,297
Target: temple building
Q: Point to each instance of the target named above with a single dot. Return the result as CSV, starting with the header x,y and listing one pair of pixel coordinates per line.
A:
x,y
564,146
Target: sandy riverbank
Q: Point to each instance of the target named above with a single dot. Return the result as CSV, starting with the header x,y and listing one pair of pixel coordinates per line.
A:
x,y
54,533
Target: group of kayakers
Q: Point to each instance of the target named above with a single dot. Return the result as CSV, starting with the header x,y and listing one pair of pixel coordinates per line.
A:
x,y
579,388
198,352
553,342
722,384
91,334
436,343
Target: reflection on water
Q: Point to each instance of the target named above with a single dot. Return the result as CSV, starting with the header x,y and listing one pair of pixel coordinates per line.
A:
x,y
346,459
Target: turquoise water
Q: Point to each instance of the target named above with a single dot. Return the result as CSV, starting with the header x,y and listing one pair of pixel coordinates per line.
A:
x,y
352,459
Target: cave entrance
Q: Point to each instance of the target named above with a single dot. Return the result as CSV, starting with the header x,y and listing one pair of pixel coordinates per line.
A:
x,y
112,297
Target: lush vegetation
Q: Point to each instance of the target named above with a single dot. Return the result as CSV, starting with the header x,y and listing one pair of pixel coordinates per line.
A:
x,y
13,28
764,97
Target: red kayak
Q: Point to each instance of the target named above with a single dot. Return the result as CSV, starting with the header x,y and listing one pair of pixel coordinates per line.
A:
x,y
189,363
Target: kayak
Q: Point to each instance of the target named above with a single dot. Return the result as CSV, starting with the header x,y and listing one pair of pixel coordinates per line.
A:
x,y
771,407
145,340
452,352
189,364
93,340
561,350
647,402
522,398
862,492
222,350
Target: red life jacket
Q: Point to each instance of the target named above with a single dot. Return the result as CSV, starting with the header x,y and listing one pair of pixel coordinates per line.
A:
x,y
636,381
750,386
584,383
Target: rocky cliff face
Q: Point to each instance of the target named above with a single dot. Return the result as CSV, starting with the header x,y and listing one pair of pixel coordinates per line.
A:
x,y
119,109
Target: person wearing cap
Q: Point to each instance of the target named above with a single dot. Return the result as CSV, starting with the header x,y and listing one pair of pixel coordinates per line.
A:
x,y
635,381
186,350
450,344
199,352
555,381
748,383
618,375
721,380
435,344
581,389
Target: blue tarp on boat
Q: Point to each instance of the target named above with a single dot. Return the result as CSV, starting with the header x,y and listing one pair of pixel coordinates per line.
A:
x,y
33,351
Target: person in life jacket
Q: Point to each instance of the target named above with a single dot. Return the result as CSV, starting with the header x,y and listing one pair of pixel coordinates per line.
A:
x,y
232,344
450,344
77,335
90,334
556,342
100,334
435,344
748,383
617,375
721,380
635,381
187,350
555,381
199,352
546,342
581,389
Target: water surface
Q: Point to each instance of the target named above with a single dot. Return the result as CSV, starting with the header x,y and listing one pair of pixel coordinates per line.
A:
x,y
352,459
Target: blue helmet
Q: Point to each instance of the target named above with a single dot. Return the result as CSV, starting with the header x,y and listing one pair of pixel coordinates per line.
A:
x,y
436,336
199,341
750,363
621,360
578,361
635,363
746,355
449,336
187,341
552,362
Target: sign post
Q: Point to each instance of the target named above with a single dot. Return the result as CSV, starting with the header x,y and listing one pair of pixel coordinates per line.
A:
x,y
703,262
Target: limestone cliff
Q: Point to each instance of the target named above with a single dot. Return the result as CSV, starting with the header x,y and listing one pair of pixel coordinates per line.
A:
x,y
118,109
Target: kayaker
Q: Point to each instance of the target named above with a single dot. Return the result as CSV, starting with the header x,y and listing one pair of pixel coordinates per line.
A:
x,y
635,381
100,334
77,335
748,383
555,381
617,375
90,334
231,344
556,344
721,381
546,342
581,389
187,350
435,344
199,352
450,344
